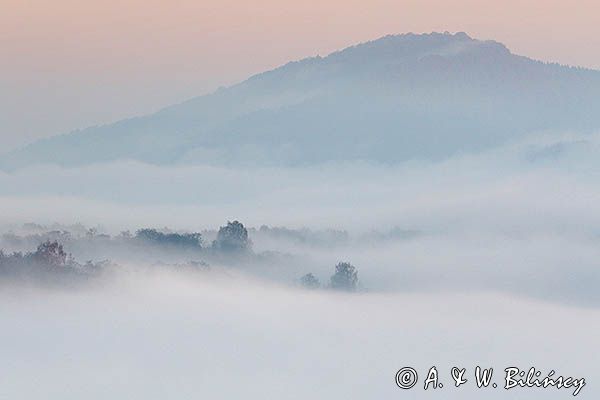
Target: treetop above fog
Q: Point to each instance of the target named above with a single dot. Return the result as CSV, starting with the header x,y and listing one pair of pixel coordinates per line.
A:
x,y
232,238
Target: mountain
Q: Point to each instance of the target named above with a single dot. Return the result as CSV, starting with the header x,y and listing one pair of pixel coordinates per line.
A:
x,y
393,99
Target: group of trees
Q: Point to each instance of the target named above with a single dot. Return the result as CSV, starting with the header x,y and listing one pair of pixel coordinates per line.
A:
x,y
344,278
48,254
231,238
52,254
49,258
172,239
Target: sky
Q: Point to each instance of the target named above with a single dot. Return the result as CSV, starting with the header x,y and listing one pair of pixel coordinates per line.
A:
x,y
70,64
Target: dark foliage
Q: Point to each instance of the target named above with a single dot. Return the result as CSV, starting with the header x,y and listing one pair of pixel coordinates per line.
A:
x,y
170,239
51,254
232,238
48,261
345,277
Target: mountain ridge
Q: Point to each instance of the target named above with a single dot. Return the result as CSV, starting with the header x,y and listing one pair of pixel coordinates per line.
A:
x,y
419,83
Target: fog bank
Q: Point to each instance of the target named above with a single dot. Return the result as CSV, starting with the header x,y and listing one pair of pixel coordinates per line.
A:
x,y
165,336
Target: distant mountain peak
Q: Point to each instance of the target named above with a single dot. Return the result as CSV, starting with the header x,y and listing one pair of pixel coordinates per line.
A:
x,y
408,42
396,48
383,54
395,98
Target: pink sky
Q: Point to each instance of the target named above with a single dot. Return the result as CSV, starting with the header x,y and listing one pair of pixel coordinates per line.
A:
x,y
69,64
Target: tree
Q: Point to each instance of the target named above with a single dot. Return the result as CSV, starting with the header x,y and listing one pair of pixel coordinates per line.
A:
x,y
52,254
309,281
233,237
345,277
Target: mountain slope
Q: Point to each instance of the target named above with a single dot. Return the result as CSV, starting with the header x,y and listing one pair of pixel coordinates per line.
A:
x,y
393,99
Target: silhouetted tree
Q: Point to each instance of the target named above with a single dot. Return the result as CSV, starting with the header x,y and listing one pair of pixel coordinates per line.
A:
x,y
51,254
345,277
309,281
232,237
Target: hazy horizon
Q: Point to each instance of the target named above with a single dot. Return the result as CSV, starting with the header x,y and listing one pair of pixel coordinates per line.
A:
x,y
71,66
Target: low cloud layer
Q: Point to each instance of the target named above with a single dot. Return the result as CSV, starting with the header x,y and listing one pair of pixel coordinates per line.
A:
x,y
522,219
530,185
176,336
488,260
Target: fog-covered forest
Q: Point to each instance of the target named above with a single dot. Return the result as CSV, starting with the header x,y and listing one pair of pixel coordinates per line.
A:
x,y
231,248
